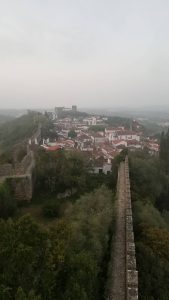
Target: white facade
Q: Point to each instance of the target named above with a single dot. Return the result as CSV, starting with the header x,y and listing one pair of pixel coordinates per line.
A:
x,y
105,169
126,137
90,121
114,135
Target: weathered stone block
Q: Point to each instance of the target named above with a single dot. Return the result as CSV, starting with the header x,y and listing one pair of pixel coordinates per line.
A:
x,y
128,205
132,278
130,248
128,211
129,219
130,236
6,170
130,262
129,227
22,187
132,293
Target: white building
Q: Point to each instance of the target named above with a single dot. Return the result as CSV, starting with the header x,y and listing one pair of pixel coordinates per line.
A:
x,y
128,135
98,138
92,121
117,134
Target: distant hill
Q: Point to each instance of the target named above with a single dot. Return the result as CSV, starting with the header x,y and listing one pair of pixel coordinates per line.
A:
x,y
116,121
12,112
5,118
17,130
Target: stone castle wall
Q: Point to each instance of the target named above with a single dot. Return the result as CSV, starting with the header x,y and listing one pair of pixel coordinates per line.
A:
x,y
22,187
131,271
6,169
19,177
21,168
17,168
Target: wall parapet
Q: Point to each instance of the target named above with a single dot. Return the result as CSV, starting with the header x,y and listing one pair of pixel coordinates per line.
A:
x,y
20,177
8,169
131,270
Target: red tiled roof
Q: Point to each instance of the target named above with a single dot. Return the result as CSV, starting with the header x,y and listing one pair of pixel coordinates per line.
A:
x,y
53,148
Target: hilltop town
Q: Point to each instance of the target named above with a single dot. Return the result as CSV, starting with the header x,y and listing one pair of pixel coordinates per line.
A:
x,y
95,137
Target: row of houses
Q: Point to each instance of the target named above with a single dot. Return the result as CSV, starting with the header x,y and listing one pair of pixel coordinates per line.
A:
x,y
100,146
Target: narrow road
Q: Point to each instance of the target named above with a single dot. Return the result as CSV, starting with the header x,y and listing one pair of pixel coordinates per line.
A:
x,y
118,279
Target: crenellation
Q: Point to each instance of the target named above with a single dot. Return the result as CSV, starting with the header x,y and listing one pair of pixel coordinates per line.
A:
x,y
130,236
130,248
131,262
128,212
132,293
125,275
131,271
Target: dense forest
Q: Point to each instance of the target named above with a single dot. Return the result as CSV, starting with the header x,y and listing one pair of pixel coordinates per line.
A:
x,y
150,196
63,261
63,254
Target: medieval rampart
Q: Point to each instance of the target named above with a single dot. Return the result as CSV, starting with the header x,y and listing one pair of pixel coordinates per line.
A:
x,y
123,278
131,271
6,169
19,174
19,177
17,168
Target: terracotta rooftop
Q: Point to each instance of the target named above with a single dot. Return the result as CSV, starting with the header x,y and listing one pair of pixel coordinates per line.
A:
x,y
52,148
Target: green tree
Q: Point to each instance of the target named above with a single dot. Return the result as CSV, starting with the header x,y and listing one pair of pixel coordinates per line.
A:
x,y
149,184
72,134
31,257
57,172
20,295
8,204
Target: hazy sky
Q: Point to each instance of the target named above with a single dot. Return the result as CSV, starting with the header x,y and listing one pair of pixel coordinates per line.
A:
x,y
84,52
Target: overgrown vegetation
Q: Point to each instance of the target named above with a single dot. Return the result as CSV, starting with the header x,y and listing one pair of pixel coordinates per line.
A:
x,y
63,171
60,171
116,121
150,195
5,118
96,128
18,129
64,254
8,204
62,262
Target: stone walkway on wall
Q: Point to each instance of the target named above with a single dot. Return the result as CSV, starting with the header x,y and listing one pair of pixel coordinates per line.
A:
x,y
118,276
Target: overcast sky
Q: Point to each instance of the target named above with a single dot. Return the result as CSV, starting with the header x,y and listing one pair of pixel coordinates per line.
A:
x,y
84,52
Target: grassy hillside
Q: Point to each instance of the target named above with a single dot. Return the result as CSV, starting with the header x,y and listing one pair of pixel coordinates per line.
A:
x,y
5,118
17,130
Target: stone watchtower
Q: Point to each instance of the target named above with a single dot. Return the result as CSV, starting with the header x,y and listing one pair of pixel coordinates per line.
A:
x,y
74,108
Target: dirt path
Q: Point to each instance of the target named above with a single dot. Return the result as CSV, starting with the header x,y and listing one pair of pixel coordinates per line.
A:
x,y
118,289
